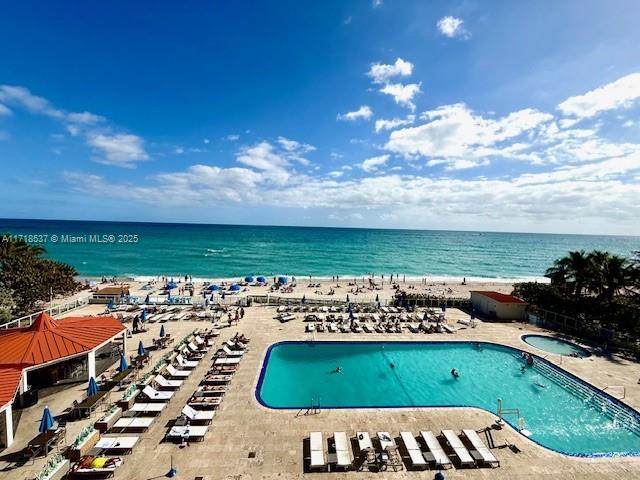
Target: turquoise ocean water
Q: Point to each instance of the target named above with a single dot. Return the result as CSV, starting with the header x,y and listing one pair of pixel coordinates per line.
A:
x,y
227,251
560,413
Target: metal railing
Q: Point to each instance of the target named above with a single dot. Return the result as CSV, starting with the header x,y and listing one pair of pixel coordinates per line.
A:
x,y
55,310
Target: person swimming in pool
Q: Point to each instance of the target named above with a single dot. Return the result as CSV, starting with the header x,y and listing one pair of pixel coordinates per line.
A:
x,y
338,369
455,374
392,365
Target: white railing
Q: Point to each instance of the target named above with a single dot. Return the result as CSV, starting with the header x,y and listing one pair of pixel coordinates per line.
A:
x,y
55,310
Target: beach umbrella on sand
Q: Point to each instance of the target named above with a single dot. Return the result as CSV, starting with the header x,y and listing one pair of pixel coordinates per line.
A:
x,y
206,302
235,287
348,299
377,298
213,287
92,388
123,363
171,285
146,300
46,422
248,279
223,295
283,280
262,279
143,315
304,299
439,476
110,305
141,348
162,334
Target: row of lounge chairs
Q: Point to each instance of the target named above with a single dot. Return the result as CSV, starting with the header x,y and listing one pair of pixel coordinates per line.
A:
x,y
355,308
381,327
421,453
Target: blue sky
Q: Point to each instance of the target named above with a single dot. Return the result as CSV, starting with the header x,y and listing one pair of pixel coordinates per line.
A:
x,y
513,116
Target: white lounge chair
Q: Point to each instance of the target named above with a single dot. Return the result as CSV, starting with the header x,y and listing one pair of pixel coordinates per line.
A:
x,y
460,450
413,449
147,408
227,360
317,451
226,351
139,424
198,416
154,395
310,327
190,364
480,451
189,432
175,373
168,384
440,458
343,452
115,444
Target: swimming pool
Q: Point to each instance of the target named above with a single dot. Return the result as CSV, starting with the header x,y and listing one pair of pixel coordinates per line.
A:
x,y
555,345
561,412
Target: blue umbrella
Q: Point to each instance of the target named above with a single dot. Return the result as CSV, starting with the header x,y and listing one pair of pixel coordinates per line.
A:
x,y
110,305
213,287
162,331
283,280
46,423
123,363
140,348
304,299
92,389
223,294
143,315
171,285
146,300
261,279
248,279
235,287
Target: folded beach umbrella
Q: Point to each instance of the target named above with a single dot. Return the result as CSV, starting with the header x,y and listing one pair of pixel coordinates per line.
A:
x,y
46,422
143,315
146,300
141,348
348,300
304,299
162,334
425,317
377,298
123,363
92,389
248,279
223,294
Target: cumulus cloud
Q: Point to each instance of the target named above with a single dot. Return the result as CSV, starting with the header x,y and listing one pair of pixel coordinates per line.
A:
x,y
402,94
363,113
275,161
381,73
4,110
372,164
390,124
618,94
122,150
452,27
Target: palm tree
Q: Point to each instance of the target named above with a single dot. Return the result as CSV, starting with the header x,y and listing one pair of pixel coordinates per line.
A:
x,y
12,248
610,274
572,271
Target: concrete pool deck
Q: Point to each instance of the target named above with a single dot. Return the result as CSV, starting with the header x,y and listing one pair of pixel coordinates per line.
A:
x,y
275,437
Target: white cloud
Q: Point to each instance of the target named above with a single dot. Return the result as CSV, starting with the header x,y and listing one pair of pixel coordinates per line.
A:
x,y
381,73
452,27
122,150
454,133
402,94
233,137
85,118
619,94
377,3
4,110
16,95
205,141
390,124
372,164
294,146
179,150
335,173
363,113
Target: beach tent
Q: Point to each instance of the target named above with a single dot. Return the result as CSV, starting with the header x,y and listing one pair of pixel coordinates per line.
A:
x,y
123,363
46,422
248,279
282,280
213,287
141,348
92,388
235,287
262,279
162,334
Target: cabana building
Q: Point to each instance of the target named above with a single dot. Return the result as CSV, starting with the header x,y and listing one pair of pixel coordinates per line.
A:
x,y
49,353
499,306
109,295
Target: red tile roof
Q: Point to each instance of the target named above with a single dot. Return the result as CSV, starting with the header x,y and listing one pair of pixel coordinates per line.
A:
x,y
499,297
47,340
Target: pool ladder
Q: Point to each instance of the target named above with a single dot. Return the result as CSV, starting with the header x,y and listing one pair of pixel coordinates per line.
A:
x,y
501,412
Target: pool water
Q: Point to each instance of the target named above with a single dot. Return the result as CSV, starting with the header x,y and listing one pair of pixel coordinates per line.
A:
x,y
561,412
555,345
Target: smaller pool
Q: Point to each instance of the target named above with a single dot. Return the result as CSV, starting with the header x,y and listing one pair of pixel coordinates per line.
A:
x,y
555,345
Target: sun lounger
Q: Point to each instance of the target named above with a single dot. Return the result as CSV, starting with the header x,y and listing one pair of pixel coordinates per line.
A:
x,y
310,327
440,459
226,351
149,409
154,395
344,328
413,449
317,451
192,354
366,328
389,447
447,328
96,466
205,403
331,327
138,424
343,453
464,457
114,445
479,450
168,384
197,416
188,432
189,364
212,390
227,361
235,346
195,349
216,379
173,372
366,450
